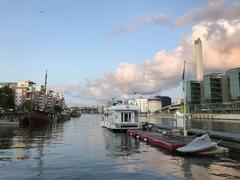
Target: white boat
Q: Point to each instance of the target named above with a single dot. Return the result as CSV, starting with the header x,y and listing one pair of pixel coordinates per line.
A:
x,y
121,117
199,144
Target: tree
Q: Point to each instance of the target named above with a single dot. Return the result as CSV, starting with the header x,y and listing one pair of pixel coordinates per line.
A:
x,y
28,105
58,109
6,98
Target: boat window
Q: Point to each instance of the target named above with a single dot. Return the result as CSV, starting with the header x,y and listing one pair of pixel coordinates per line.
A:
x,y
126,117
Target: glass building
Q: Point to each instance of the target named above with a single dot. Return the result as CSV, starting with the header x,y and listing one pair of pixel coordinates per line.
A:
x,y
212,88
234,83
193,93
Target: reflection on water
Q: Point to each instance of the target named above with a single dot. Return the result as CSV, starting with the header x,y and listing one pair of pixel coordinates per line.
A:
x,y
230,126
81,149
119,144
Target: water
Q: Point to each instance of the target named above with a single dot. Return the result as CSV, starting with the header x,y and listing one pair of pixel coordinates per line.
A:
x,y
229,126
81,149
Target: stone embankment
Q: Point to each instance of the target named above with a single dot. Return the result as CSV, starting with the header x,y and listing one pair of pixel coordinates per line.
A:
x,y
216,116
10,118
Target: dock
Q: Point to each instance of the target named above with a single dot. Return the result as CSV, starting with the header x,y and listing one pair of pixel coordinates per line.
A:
x,y
164,141
7,123
233,137
217,135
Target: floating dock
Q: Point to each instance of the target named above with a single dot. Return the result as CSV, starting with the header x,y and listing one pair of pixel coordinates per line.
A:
x,y
217,135
167,142
7,123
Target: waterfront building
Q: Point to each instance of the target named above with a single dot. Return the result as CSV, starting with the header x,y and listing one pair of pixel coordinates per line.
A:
x,y
100,109
165,101
26,83
39,100
212,88
141,102
8,84
234,84
193,94
151,104
224,87
199,59
26,90
156,103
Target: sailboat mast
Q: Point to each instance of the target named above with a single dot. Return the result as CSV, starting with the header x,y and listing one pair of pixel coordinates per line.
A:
x,y
45,93
184,102
46,82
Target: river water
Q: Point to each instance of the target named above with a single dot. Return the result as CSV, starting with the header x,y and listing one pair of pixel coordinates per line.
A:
x,y
81,149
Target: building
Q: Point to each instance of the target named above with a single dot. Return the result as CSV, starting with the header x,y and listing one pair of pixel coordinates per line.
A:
x,y
24,91
141,102
220,92
224,87
165,100
157,103
234,84
152,104
193,94
212,88
199,59
9,84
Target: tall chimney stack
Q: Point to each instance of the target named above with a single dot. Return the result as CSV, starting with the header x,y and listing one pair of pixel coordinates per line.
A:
x,y
199,63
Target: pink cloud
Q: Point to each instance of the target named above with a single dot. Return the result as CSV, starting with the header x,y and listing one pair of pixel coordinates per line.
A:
x,y
221,51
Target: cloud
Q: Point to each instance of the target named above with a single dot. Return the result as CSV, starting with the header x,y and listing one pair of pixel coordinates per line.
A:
x,y
213,11
120,30
221,51
135,24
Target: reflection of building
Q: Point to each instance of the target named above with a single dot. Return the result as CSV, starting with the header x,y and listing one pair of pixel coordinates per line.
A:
x,y
120,144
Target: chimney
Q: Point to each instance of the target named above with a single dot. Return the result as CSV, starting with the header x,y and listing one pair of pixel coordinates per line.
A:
x,y
199,61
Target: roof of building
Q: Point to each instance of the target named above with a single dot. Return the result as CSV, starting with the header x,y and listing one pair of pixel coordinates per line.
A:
x,y
234,69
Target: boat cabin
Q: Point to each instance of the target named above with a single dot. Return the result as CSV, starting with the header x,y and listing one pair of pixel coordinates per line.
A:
x,y
121,116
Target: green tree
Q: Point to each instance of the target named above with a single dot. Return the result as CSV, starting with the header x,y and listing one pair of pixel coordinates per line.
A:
x,y
6,98
28,105
58,109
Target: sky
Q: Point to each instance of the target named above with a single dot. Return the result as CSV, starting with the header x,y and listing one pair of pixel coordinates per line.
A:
x,y
98,50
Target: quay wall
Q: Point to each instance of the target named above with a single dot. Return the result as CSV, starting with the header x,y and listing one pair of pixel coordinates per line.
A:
x,y
216,116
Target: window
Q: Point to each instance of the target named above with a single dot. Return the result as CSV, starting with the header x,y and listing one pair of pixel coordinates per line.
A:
x,y
126,117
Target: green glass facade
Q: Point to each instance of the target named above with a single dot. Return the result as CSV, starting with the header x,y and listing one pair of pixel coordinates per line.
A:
x,y
212,88
234,84
193,93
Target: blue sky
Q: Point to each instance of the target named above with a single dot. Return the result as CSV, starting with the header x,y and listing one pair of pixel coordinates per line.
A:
x,y
71,38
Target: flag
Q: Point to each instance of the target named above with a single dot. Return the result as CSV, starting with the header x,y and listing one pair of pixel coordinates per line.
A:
x,y
183,75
